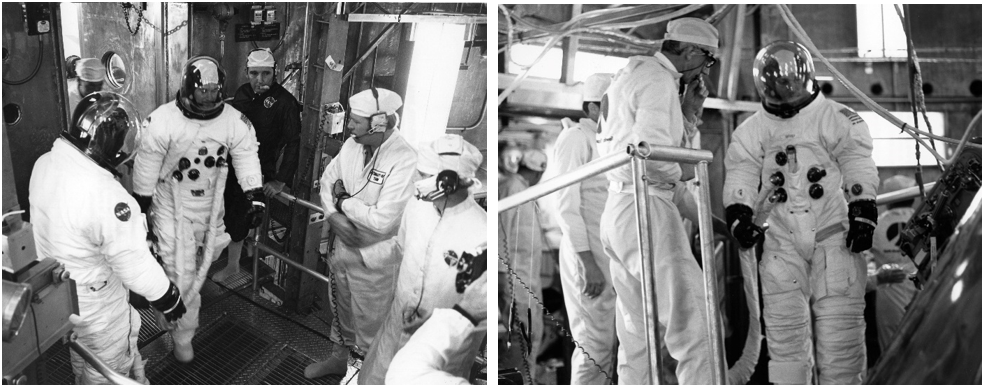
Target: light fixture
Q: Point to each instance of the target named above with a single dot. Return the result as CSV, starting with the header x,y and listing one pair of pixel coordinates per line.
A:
x,y
431,81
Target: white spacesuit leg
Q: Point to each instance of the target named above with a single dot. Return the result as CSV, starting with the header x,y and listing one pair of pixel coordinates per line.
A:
x,y
107,329
785,288
839,314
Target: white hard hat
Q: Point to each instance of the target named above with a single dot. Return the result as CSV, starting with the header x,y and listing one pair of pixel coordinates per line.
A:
x,y
450,152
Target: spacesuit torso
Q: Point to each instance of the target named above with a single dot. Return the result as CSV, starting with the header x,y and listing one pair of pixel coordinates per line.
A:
x,y
810,158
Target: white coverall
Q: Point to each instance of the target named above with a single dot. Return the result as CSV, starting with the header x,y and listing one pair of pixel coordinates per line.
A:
x,y
890,300
180,211
432,354
74,96
365,276
581,206
84,218
519,237
426,242
644,106
813,286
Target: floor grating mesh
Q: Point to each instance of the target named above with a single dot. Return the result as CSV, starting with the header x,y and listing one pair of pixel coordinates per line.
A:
x,y
149,327
57,368
288,368
221,352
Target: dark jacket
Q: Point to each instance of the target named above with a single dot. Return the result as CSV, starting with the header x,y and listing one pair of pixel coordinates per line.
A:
x,y
278,126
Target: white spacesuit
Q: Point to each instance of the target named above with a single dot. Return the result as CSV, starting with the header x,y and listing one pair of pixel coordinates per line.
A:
x,y
589,296
643,104
85,219
436,243
807,150
181,164
367,191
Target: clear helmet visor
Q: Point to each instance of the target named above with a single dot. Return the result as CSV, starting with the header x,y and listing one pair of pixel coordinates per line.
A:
x,y
106,127
784,74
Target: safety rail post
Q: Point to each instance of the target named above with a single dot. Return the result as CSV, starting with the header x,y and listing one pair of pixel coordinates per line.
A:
x,y
256,246
646,245
714,324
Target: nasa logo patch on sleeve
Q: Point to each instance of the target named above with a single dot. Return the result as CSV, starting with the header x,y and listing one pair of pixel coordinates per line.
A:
x,y
122,211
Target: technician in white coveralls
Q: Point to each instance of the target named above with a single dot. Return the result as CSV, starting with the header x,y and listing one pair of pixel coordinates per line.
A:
x,y
85,219
808,150
643,104
442,235
584,267
893,292
180,175
364,191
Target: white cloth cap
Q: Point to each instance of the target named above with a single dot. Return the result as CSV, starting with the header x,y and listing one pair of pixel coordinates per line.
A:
x,y
595,86
535,160
260,59
364,104
450,152
897,182
694,30
90,69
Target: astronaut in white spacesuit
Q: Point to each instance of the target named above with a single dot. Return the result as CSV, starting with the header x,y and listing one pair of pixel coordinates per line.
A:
x,y
87,221
180,175
590,299
643,105
441,231
364,191
806,150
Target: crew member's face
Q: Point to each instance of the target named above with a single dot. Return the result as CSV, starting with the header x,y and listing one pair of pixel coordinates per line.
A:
x,y
510,159
359,127
261,78
698,64
207,95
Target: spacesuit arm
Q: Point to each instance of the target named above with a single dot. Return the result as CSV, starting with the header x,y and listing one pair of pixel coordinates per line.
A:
x,y
291,138
397,188
424,358
570,154
743,167
243,151
117,225
150,155
852,146
655,99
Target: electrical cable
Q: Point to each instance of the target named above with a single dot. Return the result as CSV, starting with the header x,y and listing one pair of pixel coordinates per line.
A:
x,y
37,65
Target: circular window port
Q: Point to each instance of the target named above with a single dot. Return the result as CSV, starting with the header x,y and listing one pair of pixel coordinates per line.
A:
x,y
976,88
927,88
116,70
11,114
827,88
876,89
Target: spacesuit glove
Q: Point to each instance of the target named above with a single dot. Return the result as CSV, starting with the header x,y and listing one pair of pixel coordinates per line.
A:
x,y
741,224
170,305
256,213
863,221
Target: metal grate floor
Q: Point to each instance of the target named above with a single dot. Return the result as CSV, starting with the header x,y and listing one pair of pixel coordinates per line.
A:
x,y
288,368
57,367
221,352
149,328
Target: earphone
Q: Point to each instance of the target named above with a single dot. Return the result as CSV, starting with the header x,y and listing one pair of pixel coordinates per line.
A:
x,y
379,119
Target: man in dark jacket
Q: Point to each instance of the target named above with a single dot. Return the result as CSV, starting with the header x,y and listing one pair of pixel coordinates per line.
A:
x,y
274,112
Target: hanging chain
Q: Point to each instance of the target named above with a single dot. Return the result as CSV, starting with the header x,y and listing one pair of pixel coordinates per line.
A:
x,y
141,19
510,269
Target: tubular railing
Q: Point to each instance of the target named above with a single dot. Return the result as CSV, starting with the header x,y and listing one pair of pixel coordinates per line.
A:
x,y
99,365
258,246
903,194
637,156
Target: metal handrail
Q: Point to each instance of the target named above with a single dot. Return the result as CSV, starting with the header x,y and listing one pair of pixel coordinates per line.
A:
x,y
902,194
99,365
636,155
